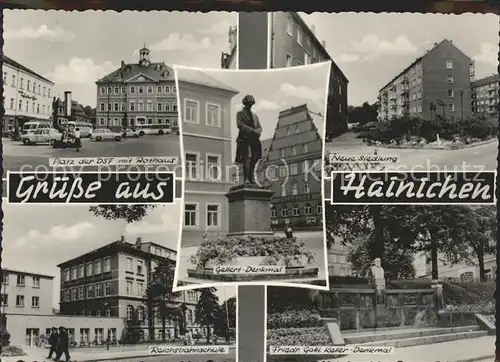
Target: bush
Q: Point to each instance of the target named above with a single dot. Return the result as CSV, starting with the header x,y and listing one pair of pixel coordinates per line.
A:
x,y
12,351
294,319
4,337
486,308
317,336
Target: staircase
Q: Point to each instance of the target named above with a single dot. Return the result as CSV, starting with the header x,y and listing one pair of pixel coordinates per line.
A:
x,y
408,337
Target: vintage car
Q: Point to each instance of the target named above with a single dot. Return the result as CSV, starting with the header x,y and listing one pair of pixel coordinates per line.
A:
x,y
102,134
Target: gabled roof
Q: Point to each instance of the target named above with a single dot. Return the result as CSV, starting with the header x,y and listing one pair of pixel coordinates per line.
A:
x,y
17,65
155,71
198,77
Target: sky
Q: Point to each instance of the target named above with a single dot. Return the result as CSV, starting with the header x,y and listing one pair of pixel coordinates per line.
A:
x,y
74,49
282,89
66,231
372,48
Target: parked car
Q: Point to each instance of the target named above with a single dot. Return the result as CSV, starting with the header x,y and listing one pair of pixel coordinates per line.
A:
x,y
101,134
128,132
41,135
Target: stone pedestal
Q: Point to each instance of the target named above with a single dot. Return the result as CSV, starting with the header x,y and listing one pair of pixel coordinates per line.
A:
x,y
437,285
381,314
249,210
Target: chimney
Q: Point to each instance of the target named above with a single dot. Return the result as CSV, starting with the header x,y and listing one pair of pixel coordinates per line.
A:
x,y
435,44
138,242
122,239
67,103
324,44
123,65
313,29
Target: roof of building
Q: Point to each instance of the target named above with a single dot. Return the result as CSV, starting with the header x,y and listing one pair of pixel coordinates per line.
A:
x,y
198,77
495,78
155,71
26,272
436,45
318,44
17,65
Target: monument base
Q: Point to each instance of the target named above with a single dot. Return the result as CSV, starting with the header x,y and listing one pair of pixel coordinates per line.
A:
x,y
381,314
290,273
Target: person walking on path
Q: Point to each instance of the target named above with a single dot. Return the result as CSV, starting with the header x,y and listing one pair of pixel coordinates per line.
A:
x,y
78,140
63,345
53,340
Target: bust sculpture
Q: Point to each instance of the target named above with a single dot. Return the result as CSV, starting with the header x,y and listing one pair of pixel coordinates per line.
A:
x,y
377,279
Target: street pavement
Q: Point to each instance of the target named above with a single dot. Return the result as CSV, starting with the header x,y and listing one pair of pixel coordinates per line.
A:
x,y
475,157
469,350
19,157
136,353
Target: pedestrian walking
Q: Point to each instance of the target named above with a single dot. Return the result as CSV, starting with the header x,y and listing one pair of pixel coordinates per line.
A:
x,y
78,141
63,345
289,232
108,341
53,340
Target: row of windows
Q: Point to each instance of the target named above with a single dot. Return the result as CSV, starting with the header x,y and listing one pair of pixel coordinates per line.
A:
x,y
35,301
295,189
192,113
21,280
28,106
296,210
302,40
168,122
272,172
121,107
96,290
194,170
139,313
92,268
30,86
167,89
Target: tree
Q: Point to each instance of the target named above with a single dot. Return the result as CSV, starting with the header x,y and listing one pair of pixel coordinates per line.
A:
x,y
206,309
159,294
362,114
225,317
128,213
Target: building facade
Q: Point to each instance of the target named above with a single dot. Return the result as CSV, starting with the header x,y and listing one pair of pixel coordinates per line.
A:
x,y
26,95
230,60
294,43
111,282
485,96
206,130
437,83
142,93
292,164
26,293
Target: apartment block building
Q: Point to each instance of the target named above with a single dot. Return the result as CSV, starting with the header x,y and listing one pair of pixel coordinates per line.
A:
x,y
26,95
137,94
229,60
294,43
438,82
111,281
485,96
206,131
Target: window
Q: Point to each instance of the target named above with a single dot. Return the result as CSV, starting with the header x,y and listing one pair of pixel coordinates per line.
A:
x,y
140,267
130,287
451,93
21,280
283,190
150,90
451,107
36,282
294,189
159,107
84,335
174,106
294,169
192,166
299,35
213,168
141,90
319,209
159,90
191,111
282,153
273,211
89,269
150,106
340,107
450,79
129,265
340,89
90,291
107,289
5,278
140,289
283,172
101,107
132,90
5,300
81,293
66,275
307,209
449,64
98,290
307,58
304,148
213,215
295,210
123,90
21,84
73,294
190,215
294,151
289,25
212,115
73,273
306,188
19,300
284,212
116,107
167,107
288,60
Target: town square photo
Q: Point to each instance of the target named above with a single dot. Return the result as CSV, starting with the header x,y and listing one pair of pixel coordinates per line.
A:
x,y
105,275
252,144
69,86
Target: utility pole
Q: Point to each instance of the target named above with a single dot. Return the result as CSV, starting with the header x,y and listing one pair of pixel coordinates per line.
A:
x,y
462,104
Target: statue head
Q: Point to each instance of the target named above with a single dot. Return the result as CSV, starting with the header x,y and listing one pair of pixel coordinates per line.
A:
x,y
377,262
248,101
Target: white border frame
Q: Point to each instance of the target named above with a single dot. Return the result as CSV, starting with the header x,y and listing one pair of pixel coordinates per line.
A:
x,y
219,112
195,227
219,214
494,172
283,283
197,109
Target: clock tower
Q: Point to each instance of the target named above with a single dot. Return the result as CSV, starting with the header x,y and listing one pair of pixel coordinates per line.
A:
x,y
144,57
